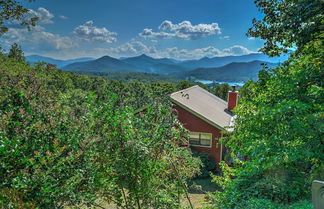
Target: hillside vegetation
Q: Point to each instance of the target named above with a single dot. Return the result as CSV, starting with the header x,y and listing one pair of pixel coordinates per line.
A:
x,y
229,68
233,72
68,139
279,124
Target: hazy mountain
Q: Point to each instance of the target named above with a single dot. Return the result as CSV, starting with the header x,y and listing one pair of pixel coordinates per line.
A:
x,y
143,64
221,61
151,65
229,68
32,59
103,64
236,71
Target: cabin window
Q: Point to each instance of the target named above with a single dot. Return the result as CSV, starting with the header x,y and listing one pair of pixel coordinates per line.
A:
x,y
200,139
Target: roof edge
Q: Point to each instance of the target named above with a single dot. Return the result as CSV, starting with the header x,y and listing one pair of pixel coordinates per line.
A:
x,y
191,87
198,115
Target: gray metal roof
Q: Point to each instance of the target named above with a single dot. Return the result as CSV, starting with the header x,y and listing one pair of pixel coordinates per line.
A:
x,y
205,105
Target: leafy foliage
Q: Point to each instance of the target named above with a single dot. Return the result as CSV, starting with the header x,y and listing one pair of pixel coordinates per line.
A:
x,y
68,139
11,10
287,24
279,125
207,167
16,53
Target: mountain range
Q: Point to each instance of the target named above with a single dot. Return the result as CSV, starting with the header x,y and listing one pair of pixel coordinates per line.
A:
x,y
32,59
233,72
228,68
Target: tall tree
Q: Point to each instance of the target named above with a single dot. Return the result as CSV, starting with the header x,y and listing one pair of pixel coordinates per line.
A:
x,y
279,123
287,24
11,10
16,53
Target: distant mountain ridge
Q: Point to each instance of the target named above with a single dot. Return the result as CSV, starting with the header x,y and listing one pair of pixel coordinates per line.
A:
x,y
103,64
229,68
207,62
32,59
233,72
142,64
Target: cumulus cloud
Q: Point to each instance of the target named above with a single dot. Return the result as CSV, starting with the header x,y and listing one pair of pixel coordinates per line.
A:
x,y
184,30
185,54
45,17
210,51
237,50
89,32
134,48
37,40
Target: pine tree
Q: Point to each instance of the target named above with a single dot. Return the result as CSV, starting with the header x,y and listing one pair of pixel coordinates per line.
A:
x,y
16,53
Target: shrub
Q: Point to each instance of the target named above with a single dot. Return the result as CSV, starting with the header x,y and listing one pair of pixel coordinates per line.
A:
x,y
207,167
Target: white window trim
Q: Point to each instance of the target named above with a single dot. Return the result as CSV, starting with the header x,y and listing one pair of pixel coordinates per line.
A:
x,y
210,144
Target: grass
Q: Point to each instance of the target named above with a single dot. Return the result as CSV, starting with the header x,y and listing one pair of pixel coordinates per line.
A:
x,y
197,191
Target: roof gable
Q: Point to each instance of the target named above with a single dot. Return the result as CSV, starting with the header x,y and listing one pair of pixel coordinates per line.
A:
x,y
204,105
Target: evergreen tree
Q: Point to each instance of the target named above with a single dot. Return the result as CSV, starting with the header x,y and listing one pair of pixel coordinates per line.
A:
x,y
17,53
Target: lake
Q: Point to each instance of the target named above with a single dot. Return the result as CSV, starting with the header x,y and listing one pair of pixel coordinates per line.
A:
x,y
222,82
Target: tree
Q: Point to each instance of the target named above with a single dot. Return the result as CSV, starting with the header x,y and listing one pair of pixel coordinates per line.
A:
x,y
16,53
66,140
11,10
2,51
287,24
222,90
279,121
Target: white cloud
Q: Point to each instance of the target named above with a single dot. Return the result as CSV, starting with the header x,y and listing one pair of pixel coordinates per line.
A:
x,y
185,54
134,48
88,32
62,17
225,37
210,51
251,38
45,17
37,40
237,50
184,30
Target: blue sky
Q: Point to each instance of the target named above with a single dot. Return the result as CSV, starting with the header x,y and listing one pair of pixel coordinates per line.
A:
x,y
180,29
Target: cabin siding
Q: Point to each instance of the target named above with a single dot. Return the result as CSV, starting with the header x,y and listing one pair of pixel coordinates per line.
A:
x,y
195,124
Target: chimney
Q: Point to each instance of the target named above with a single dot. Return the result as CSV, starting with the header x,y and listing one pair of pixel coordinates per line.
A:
x,y
232,99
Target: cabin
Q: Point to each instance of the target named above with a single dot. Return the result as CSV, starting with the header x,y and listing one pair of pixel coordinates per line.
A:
x,y
205,116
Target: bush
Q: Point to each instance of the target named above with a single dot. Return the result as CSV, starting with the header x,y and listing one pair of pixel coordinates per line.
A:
x,y
268,204
67,140
208,166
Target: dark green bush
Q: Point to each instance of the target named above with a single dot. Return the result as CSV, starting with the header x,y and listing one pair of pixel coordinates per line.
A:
x,y
208,166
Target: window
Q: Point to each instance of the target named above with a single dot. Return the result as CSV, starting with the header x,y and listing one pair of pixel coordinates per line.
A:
x,y
200,139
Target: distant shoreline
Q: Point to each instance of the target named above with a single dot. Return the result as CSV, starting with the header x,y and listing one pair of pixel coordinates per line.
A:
x,y
221,82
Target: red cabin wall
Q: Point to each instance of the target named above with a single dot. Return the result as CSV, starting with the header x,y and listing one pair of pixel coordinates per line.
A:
x,y
195,124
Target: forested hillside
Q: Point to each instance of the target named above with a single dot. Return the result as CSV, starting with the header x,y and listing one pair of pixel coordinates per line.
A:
x,y
227,68
233,72
101,139
32,59
68,139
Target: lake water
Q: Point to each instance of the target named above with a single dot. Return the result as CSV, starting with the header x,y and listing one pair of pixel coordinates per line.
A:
x,y
222,82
